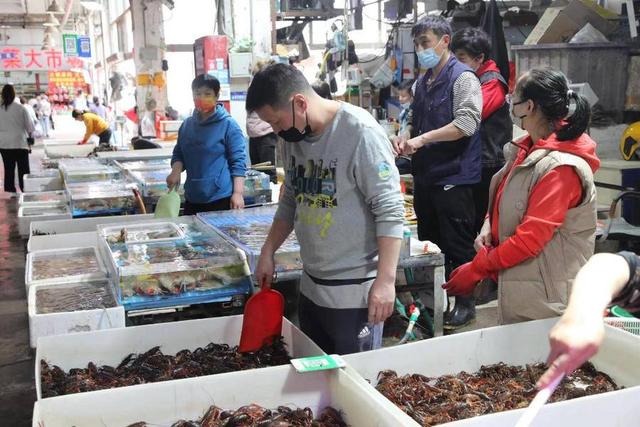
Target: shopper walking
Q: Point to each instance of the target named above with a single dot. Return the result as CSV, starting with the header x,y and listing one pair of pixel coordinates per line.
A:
x,y
44,107
342,196
446,152
542,205
212,150
472,47
94,126
98,109
16,127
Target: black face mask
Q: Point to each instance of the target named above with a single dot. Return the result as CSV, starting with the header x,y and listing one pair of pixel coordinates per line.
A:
x,y
292,134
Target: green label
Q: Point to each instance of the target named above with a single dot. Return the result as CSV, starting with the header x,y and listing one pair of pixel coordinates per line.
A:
x,y
70,44
318,363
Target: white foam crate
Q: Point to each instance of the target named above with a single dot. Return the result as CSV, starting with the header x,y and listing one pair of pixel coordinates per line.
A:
x,y
516,344
141,227
111,346
43,198
62,241
43,325
36,183
26,214
80,225
162,404
65,151
71,253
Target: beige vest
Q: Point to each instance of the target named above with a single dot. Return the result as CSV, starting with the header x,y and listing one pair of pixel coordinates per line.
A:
x,y
539,287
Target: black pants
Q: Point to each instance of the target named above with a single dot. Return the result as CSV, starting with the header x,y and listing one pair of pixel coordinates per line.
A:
x,y
446,217
105,137
481,196
11,157
338,331
218,205
263,149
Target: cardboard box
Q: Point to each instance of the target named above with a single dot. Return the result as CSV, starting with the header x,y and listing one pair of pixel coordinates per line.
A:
x,y
559,24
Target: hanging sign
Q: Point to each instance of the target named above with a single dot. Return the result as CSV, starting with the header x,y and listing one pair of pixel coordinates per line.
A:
x,y
70,44
84,47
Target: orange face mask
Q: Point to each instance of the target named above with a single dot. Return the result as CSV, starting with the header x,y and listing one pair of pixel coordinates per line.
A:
x,y
205,104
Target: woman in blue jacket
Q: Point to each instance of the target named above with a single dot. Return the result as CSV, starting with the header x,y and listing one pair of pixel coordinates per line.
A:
x,y
211,148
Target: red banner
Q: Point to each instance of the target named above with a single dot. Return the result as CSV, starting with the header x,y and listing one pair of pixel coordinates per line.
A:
x,y
14,58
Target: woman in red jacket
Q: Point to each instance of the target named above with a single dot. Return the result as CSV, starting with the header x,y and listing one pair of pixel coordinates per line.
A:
x,y
540,229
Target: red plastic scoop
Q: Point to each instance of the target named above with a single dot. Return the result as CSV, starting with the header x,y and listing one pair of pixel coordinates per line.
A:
x,y
262,321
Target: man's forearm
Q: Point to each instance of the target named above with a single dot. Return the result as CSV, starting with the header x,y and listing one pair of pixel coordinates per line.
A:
x,y
388,255
597,283
238,184
446,133
278,233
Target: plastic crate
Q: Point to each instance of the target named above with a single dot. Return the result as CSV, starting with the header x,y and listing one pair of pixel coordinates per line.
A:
x,y
197,268
63,266
248,229
628,324
45,198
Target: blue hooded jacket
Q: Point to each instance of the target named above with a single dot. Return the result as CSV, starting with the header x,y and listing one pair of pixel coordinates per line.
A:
x,y
212,152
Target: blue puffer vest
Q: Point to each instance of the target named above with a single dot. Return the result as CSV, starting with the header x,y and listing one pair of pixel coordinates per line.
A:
x,y
443,163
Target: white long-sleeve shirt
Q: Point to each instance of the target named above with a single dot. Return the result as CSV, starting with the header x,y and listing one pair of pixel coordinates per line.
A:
x,y
15,127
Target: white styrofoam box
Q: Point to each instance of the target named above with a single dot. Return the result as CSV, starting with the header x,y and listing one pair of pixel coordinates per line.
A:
x,y
162,404
42,325
64,151
79,225
111,346
516,344
26,214
240,64
43,198
154,153
71,253
35,183
62,241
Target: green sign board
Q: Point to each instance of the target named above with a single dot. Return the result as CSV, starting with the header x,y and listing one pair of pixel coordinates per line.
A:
x,y
70,44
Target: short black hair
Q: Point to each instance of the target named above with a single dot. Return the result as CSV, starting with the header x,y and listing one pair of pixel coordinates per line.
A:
x,y
208,81
77,113
439,25
323,89
274,85
473,41
406,85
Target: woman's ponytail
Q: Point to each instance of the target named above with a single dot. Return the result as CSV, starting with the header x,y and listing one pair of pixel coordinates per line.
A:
x,y
578,122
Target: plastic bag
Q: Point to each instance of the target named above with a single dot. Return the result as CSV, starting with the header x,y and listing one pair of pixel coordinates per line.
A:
x,y
168,205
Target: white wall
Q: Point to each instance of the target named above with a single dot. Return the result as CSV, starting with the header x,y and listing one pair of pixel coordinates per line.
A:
x,y
29,36
189,20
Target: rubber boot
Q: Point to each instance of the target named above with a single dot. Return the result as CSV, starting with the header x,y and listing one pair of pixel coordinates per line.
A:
x,y
463,313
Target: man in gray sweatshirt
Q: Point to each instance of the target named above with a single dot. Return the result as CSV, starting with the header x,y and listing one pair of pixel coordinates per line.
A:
x,y
342,196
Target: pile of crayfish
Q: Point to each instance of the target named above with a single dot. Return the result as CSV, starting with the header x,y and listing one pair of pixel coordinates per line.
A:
x,y
254,415
494,388
154,366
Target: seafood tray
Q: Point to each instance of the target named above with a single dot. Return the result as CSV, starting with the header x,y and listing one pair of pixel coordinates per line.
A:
x,y
93,200
248,230
199,267
152,182
81,225
145,232
112,347
143,165
63,266
46,198
519,344
99,173
26,214
72,307
165,404
37,182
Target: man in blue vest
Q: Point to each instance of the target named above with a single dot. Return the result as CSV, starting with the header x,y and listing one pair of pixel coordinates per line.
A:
x,y
446,151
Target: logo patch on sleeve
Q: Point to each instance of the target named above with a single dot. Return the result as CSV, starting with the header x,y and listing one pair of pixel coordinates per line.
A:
x,y
384,171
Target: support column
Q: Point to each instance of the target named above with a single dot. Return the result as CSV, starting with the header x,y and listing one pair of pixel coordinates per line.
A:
x,y
149,51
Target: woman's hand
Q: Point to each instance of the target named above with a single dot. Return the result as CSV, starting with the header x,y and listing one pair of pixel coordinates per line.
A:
x,y
237,201
173,180
484,238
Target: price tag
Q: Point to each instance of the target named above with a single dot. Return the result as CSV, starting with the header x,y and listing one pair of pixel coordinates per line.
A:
x,y
318,363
